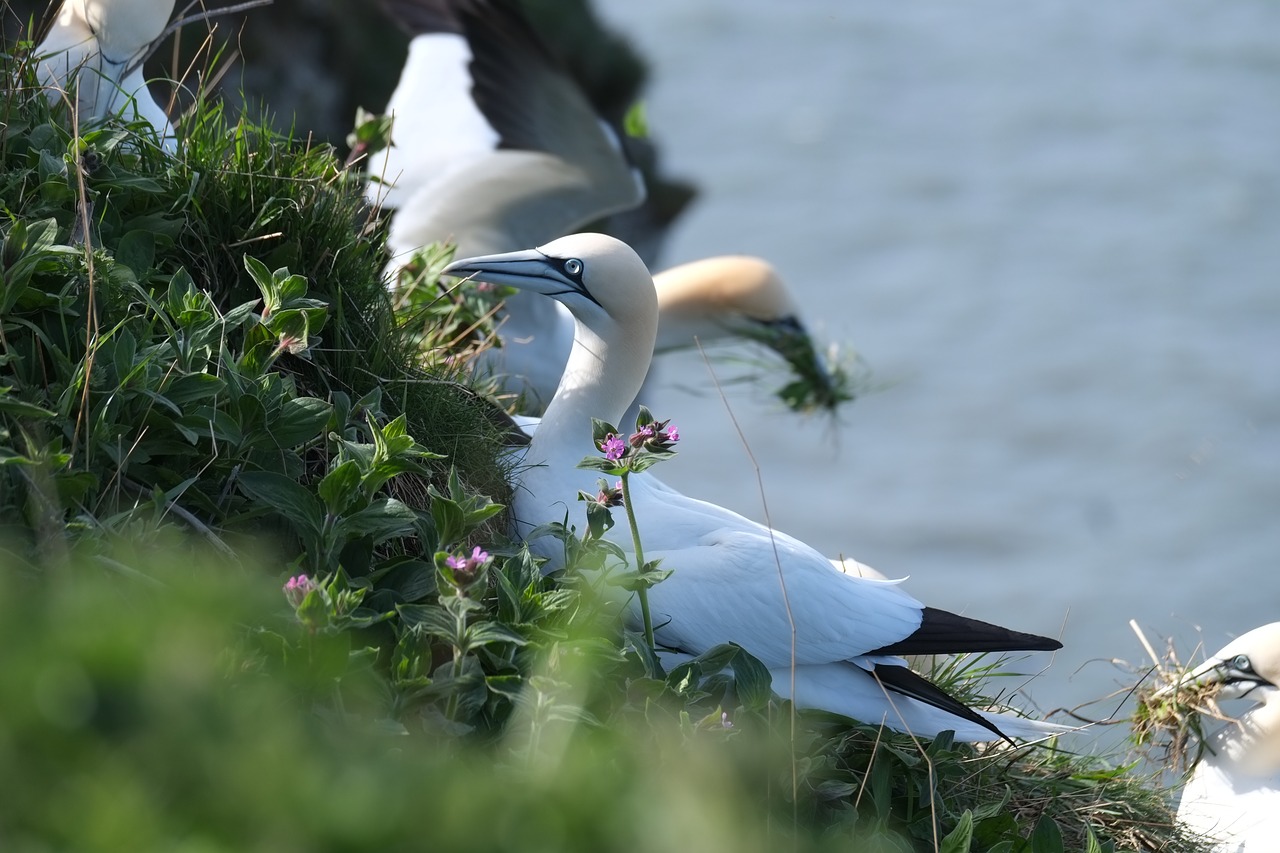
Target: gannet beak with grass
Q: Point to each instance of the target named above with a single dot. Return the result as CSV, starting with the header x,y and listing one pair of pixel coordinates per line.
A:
x,y
731,579
1233,793
96,48
741,296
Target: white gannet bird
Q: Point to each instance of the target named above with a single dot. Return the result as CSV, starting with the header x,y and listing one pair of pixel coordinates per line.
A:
x,y
495,147
727,571
96,47
1233,794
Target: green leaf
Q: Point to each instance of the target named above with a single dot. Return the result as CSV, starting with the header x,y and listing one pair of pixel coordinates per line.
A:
x,y
431,619
409,578
340,487
302,420
1046,838
752,680
285,497
449,520
599,463
489,633
381,520
21,409
137,251
959,839
193,387
601,429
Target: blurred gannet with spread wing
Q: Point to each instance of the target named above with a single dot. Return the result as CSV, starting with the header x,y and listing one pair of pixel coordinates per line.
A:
x,y
100,44
727,571
496,148
1233,794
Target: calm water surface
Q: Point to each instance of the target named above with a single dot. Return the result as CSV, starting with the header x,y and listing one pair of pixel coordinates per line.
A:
x,y
1053,231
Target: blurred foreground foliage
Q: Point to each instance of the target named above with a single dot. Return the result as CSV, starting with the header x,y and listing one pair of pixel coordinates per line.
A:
x,y
204,390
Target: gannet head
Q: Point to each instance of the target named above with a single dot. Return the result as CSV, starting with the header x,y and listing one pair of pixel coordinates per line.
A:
x,y
1247,667
595,276
731,294
124,28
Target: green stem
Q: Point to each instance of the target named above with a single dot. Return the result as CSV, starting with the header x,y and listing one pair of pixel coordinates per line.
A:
x,y
643,591
460,621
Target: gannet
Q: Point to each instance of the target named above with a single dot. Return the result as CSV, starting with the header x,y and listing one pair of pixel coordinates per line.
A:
x,y
100,45
495,147
727,571
1233,794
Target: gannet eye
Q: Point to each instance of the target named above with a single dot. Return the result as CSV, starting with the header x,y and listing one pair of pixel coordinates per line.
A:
x,y
1241,662
573,266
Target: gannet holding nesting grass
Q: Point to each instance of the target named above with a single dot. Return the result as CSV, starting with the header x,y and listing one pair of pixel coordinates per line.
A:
x,y
727,571
1233,794
96,47
496,148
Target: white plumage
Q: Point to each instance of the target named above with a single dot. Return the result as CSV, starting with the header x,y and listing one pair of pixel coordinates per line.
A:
x,y
1233,794
93,54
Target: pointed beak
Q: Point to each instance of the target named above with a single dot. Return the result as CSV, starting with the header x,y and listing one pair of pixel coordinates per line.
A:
x,y
815,386
1237,681
528,270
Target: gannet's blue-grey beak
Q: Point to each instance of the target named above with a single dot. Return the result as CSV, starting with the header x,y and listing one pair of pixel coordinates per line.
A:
x,y
1236,675
529,270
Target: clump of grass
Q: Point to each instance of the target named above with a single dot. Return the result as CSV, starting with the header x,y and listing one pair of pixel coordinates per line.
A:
x,y
1169,712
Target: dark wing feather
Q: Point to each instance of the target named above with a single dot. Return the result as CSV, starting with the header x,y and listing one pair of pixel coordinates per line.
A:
x,y
419,17
899,679
942,633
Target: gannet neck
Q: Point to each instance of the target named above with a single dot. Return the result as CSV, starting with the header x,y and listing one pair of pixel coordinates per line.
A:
x,y
604,373
1250,744
125,28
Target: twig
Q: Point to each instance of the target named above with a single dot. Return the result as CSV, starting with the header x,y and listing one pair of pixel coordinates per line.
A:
x,y
782,581
192,19
1142,638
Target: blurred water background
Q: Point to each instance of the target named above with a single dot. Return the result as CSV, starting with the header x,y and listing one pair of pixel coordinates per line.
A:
x,y
1053,232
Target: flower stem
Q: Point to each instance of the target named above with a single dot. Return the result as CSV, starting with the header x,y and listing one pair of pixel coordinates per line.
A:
x,y
643,591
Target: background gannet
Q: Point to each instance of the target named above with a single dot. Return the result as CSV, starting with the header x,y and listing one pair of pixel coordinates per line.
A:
x,y
96,47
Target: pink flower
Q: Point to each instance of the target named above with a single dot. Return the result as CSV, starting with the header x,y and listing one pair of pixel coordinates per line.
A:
x,y
671,433
609,497
468,565
640,436
297,588
613,447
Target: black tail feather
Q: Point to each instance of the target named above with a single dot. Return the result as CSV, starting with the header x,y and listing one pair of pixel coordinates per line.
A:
x,y
942,633
899,679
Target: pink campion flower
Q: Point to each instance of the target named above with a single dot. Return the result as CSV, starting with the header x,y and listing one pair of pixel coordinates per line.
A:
x,y
609,497
671,433
613,447
468,565
640,436
297,588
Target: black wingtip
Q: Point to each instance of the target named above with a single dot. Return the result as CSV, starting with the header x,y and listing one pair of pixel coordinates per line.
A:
x,y
901,680
942,633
